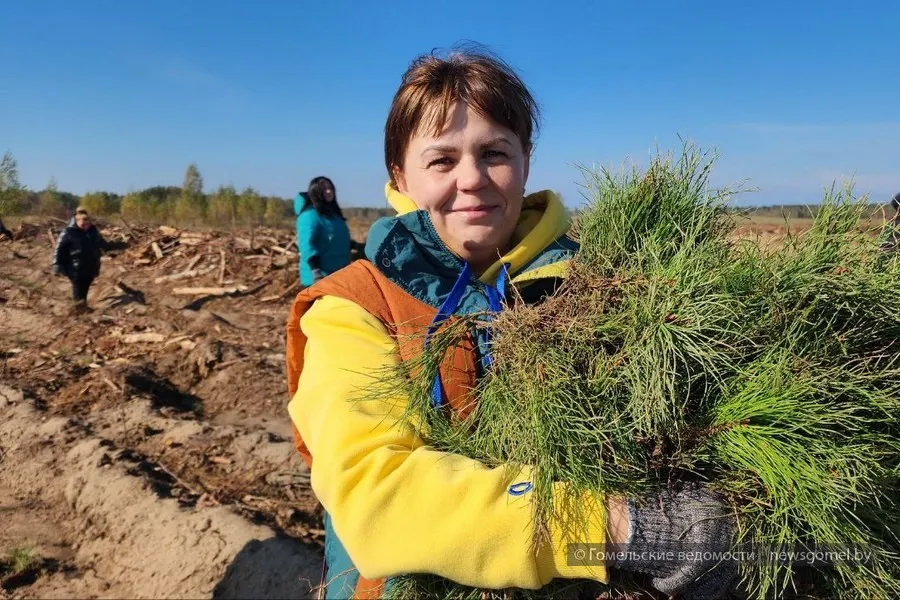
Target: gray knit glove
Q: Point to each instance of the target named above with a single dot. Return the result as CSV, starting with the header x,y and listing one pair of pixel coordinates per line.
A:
x,y
685,525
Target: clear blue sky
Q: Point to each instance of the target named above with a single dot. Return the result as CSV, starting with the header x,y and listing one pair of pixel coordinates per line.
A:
x,y
118,95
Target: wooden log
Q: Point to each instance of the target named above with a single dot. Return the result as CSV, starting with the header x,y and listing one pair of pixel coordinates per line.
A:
x,y
254,289
127,226
184,275
52,239
139,338
281,250
221,266
228,322
156,250
127,289
177,339
109,382
208,291
207,294
166,260
287,290
193,262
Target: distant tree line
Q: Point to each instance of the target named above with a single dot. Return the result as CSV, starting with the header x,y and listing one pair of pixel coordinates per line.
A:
x,y
171,205
223,207
802,211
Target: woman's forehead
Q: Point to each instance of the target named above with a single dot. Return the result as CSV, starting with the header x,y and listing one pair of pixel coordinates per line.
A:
x,y
463,123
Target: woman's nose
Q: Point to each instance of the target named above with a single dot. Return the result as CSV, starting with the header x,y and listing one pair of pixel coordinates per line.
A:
x,y
471,175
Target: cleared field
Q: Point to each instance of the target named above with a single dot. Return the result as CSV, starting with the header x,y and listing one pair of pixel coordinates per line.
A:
x,y
145,449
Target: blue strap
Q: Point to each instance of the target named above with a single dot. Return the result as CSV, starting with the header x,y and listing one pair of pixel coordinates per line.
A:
x,y
445,312
502,278
496,295
495,300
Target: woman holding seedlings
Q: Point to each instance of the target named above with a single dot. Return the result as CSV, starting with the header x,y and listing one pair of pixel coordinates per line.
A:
x,y
323,237
458,142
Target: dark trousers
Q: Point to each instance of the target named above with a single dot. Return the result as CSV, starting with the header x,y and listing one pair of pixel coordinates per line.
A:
x,y
80,286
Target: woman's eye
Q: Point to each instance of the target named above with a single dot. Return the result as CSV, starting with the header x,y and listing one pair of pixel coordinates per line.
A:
x,y
443,161
495,154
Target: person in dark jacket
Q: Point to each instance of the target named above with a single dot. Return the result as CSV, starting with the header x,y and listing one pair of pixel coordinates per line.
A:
x,y
77,255
5,231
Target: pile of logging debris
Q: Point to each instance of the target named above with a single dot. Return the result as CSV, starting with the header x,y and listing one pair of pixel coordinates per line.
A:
x,y
213,263
198,264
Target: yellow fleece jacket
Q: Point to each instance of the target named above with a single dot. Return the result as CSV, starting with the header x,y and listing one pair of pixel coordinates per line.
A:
x,y
398,505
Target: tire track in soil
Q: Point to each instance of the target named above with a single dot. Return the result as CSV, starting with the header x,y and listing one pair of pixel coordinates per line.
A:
x,y
122,537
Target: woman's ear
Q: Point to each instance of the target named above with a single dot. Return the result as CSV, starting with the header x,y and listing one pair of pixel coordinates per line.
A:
x,y
399,179
527,169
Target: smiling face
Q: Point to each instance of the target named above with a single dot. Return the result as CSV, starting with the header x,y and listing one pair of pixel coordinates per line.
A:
x,y
328,192
471,180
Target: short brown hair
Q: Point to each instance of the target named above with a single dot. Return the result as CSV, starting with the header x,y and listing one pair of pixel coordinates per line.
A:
x,y
432,84
81,211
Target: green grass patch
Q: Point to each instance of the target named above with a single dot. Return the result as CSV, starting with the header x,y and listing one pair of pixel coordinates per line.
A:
x,y
18,561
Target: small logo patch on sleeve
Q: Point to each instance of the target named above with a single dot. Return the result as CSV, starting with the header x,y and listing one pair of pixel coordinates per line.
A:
x,y
520,489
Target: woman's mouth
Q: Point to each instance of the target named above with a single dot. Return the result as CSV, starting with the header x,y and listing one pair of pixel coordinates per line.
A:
x,y
475,212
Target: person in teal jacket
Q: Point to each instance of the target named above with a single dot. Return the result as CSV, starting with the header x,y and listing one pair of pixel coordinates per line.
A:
x,y
322,233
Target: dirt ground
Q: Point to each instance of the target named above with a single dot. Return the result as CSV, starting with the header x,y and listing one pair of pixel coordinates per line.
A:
x,y
145,447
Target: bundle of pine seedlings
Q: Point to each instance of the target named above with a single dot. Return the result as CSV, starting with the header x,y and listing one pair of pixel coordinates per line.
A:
x,y
677,352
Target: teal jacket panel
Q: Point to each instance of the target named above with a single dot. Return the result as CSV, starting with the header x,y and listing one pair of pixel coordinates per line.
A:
x,y
325,237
